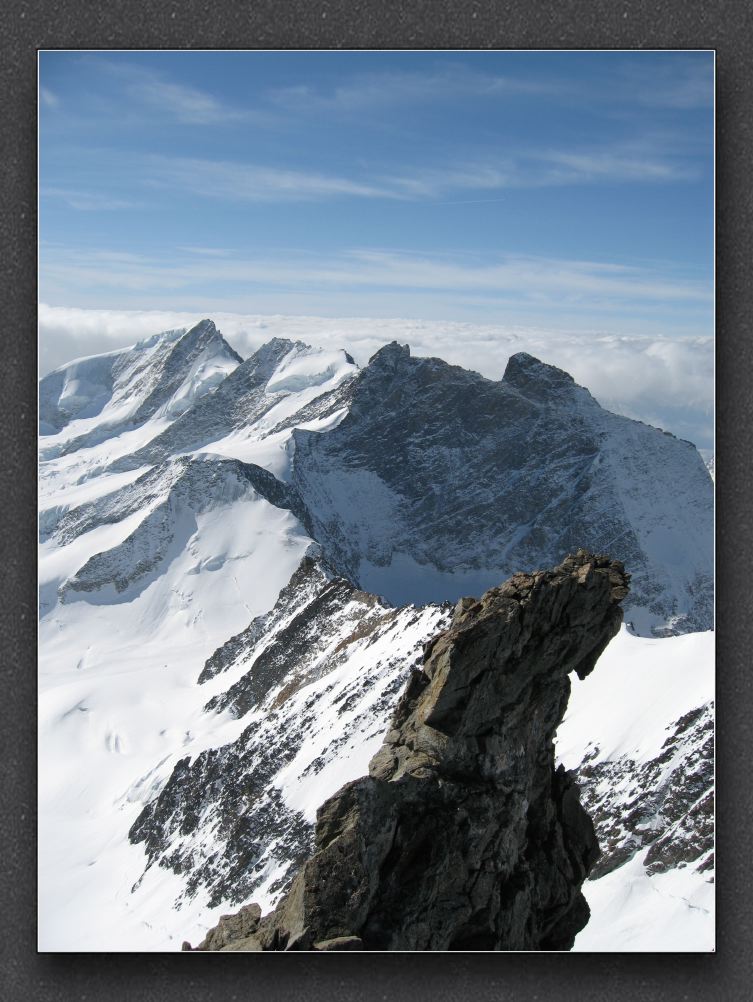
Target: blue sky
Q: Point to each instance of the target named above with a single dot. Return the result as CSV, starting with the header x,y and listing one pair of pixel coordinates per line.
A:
x,y
559,190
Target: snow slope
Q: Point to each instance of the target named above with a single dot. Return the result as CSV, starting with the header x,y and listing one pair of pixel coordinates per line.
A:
x,y
119,659
143,572
640,732
161,376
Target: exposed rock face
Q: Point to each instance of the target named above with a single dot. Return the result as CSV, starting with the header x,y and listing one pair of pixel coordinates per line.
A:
x,y
231,929
670,803
463,835
439,482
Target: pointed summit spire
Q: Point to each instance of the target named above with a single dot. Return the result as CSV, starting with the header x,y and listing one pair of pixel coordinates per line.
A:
x,y
530,375
391,354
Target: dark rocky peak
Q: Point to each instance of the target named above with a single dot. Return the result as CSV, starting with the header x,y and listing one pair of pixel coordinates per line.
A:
x,y
265,359
463,835
201,336
278,347
424,391
391,356
535,378
161,377
204,328
258,368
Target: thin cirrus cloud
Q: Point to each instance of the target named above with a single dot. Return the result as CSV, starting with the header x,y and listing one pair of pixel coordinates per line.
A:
x,y
184,103
367,91
187,104
155,91
245,182
572,168
548,168
48,98
206,251
684,86
242,182
88,201
681,85
519,279
361,92
248,182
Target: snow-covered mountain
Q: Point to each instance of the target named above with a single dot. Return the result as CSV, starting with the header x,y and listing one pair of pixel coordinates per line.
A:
x,y
214,657
161,376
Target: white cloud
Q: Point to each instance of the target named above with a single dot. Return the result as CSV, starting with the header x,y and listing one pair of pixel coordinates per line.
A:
x,y
369,91
661,380
184,103
649,160
610,165
679,81
187,104
206,251
682,81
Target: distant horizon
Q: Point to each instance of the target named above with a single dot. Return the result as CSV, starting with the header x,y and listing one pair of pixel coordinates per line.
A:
x,y
666,382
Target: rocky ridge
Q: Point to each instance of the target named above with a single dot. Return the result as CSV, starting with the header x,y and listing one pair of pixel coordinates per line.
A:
x,y
170,520
463,835
422,481
314,682
669,806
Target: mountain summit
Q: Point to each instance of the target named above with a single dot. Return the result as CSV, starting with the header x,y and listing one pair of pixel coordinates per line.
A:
x,y
420,480
92,397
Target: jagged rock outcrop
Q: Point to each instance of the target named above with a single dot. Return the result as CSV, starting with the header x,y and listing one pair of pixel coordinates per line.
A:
x,y
463,835
665,804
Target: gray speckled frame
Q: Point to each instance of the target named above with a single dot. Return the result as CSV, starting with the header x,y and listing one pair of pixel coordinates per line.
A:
x,y
24,28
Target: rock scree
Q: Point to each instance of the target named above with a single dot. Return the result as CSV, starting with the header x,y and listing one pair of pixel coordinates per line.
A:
x,y
463,835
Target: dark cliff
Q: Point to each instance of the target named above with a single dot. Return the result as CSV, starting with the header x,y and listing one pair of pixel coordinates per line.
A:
x,y
464,835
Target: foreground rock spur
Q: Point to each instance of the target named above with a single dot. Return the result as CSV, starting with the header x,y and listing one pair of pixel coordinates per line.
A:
x,y
463,835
